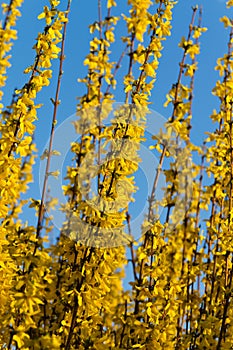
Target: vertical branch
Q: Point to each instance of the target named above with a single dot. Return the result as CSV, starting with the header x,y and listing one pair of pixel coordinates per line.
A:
x,y
7,14
228,278
131,248
130,68
54,120
183,62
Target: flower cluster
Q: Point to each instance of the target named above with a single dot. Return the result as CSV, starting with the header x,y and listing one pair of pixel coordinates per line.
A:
x,y
70,295
141,23
7,34
18,240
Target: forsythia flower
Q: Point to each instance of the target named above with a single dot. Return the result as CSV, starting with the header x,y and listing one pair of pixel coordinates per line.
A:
x,y
7,34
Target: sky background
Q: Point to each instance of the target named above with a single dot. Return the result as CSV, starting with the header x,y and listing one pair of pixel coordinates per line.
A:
x,y
83,13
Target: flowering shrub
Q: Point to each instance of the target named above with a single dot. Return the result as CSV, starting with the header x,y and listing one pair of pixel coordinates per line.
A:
x,y
70,294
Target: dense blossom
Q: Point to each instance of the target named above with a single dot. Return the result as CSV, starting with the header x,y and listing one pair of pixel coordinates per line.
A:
x,y
70,295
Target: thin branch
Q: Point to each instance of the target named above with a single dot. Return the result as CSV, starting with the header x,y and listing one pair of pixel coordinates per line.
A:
x,y
54,119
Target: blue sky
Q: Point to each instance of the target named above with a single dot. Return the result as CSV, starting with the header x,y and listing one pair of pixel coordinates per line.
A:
x,y
213,45
83,13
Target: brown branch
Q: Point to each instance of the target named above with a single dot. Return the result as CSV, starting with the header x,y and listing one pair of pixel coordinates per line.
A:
x,y
182,63
7,14
131,248
86,259
54,119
